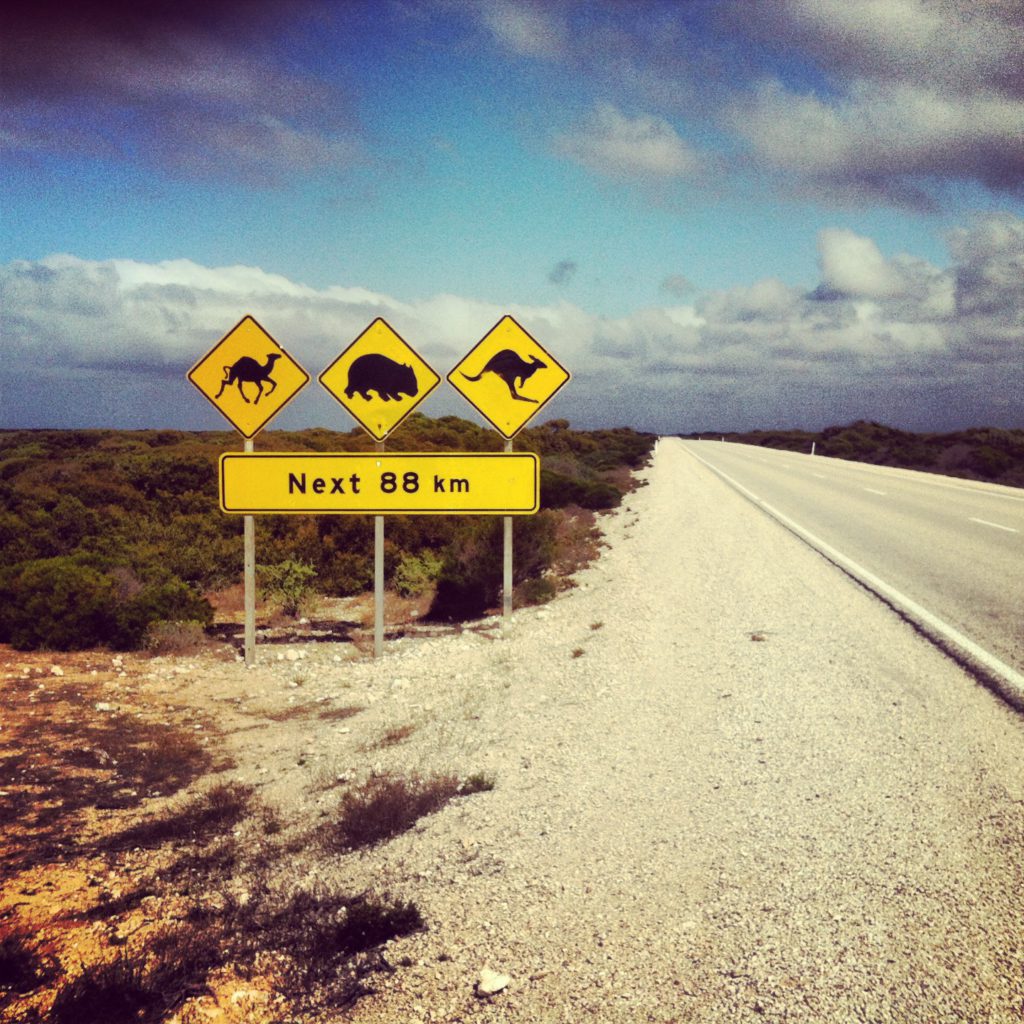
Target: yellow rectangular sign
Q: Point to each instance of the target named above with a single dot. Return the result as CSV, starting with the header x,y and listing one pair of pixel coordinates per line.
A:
x,y
378,483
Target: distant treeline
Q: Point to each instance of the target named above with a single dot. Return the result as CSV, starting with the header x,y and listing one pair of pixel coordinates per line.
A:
x,y
982,453
104,532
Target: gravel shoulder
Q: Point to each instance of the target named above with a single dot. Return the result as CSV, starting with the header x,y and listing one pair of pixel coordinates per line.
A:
x,y
730,786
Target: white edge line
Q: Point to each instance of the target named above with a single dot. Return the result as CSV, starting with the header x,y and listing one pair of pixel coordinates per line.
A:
x,y
1008,682
985,522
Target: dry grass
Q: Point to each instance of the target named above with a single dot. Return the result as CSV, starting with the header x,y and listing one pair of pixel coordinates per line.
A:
x,y
197,819
59,757
385,806
397,735
577,540
23,967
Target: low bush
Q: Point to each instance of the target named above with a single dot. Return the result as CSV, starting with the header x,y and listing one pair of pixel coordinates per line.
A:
x,y
69,603
195,820
471,576
386,806
289,584
166,601
417,573
179,638
537,591
62,604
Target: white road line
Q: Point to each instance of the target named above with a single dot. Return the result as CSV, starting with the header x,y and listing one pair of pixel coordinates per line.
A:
x,y
871,490
1007,681
985,522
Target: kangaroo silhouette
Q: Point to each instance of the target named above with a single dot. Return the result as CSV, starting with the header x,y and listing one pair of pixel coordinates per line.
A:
x,y
513,370
247,370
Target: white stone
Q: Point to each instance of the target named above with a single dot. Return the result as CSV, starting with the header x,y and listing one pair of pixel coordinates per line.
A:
x,y
491,982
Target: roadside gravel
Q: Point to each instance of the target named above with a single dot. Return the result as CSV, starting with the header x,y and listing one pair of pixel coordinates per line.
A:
x,y
730,786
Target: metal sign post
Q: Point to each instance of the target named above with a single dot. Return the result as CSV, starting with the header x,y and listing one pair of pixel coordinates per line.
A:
x,y
506,590
378,579
249,572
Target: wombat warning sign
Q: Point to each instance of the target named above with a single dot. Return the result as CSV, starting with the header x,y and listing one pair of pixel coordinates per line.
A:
x,y
379,379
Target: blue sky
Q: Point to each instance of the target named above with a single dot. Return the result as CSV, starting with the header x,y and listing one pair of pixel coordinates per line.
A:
x,y
716,214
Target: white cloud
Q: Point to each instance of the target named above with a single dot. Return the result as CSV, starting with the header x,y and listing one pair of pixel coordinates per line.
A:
x,y
853,265
915,94
527,29
642,148
104,331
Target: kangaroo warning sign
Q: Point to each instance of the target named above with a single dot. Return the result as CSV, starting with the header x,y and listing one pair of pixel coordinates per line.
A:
x,y
248,377
379,379
508,376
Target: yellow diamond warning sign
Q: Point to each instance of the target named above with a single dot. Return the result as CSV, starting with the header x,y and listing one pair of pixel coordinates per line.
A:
x,y
379,379
508,376
248,377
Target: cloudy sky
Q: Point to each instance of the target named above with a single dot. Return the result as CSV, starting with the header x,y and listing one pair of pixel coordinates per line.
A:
x,y
716,214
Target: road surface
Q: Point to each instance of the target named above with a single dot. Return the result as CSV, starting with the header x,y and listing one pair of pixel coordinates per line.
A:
x,y
956,547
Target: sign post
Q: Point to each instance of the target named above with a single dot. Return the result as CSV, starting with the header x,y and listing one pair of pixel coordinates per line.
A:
x,y
508,377
248,378
249,578
379,379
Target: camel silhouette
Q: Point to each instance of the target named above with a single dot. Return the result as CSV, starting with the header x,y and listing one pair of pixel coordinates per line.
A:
x,y
247,370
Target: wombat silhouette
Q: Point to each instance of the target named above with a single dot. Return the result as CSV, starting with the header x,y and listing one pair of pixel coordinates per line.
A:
x,y
513,370
374,372
247,370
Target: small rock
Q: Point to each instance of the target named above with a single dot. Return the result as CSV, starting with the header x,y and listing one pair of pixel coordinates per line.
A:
x,y
103,706
491,982
292,655
56,670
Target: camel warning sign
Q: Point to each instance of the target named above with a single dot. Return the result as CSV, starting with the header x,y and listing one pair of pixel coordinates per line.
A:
x,y
379,379
508,376
248,377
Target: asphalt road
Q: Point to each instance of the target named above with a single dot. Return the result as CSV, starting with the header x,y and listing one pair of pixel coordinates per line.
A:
x,y
954,546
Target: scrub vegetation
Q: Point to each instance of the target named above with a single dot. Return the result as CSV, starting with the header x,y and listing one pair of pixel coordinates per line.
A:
x,y
124,910
982,453
106,536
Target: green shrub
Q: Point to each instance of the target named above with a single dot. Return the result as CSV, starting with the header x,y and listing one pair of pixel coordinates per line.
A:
x,y
289,583
69,603
537,591
60,604
416,573
167,601
471,577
